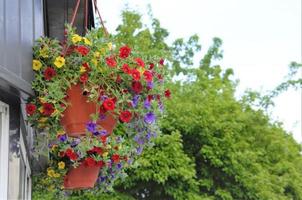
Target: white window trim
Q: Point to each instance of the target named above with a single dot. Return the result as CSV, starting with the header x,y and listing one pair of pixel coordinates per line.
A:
x,y
4,149
27,169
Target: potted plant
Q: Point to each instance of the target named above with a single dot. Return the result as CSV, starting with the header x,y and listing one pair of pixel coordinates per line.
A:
x,y
84,88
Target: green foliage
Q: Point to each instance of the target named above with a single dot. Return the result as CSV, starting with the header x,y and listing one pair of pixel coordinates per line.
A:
x,y
212,145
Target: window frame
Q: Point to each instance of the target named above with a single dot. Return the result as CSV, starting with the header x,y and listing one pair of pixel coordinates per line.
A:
x,y
4,149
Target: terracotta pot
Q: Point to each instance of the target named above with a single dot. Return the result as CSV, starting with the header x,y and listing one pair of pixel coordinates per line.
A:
x,y
77,113
82,177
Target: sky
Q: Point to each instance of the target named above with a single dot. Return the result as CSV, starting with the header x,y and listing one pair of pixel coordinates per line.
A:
x,y
260,39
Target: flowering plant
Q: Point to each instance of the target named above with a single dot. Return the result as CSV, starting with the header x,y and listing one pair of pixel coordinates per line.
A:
x,y
119,79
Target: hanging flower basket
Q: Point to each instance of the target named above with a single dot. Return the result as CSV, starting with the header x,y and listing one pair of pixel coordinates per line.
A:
x,y
99,102
81,177
79,111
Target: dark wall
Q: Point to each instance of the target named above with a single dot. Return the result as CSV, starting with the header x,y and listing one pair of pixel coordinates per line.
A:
x,y
21,22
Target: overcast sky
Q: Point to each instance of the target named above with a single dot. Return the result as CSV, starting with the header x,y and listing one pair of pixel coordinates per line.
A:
x,y
260,38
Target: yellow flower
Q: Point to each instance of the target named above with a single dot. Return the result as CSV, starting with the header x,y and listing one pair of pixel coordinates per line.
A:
x,y
105,154
61,132
42,99
44,52
56,175
87,41
109,45
82,69
41,109
37,65
61,165
97,54
108,146
54,147
50,172
76,38
43,119
141,70
94,61
59,62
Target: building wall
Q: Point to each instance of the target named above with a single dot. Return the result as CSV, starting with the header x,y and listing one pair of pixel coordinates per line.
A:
x,y
21,22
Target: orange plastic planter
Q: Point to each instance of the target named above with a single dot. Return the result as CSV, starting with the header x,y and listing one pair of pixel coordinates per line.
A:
x,y
82,177
77,113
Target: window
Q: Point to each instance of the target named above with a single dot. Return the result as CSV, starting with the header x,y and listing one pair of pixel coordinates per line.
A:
x,y
59,12
15,171
4,139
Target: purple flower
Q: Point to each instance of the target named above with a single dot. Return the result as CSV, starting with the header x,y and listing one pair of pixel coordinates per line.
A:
x,y
103,132
119,166
63,138
91,127
102,116
135,101
139,150
147,104
96,133
130,161
104,97
150,85
149,118
161,106
139,140
102,178
75,142
148,136
118,139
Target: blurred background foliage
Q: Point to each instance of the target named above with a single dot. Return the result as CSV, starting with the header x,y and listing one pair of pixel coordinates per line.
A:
x,y
212,145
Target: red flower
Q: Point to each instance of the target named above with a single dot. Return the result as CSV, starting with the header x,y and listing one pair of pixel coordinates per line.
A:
x,y
86,66
151,66
150,98
70,49
84,78
82,50
69,152
61,154
125,116
48,109
148,76
137,87
100,163
90,162
136,74
168,93
30,108
49,73
125,52
161,61
109,104
159,76
73,156
115,158
97,150
111,62
104,139
139,62
158,97
118,79
126,69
